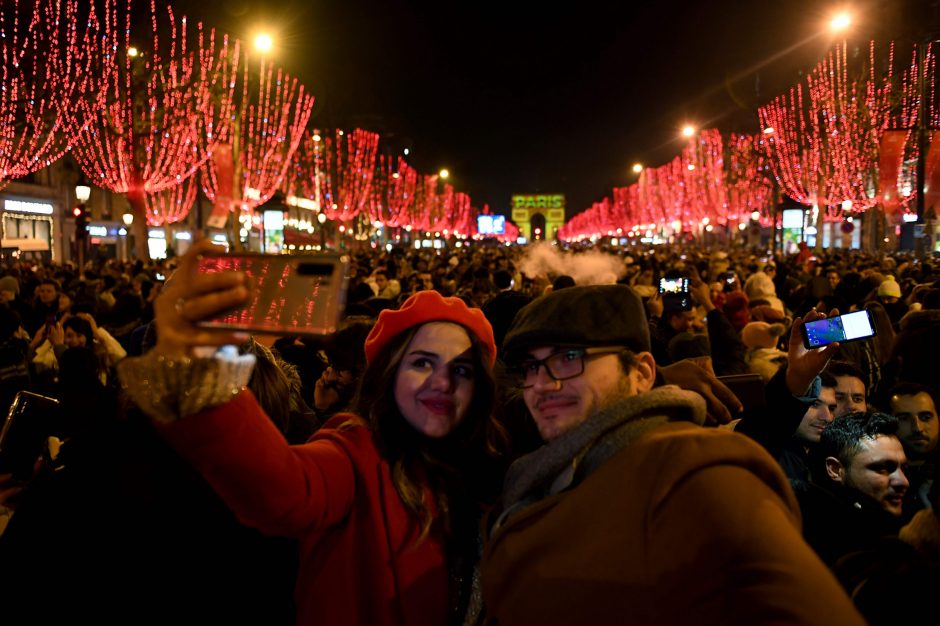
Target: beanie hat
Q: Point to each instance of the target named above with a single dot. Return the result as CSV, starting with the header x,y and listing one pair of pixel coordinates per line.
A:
x,y
889,287
586,315
9,283
762,334
735,309
429,306
759,285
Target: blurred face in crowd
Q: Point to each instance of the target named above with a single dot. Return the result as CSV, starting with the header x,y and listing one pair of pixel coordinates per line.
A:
x,y
918,426
73,339
47,293
682,322
65,302
850,395
833,278
435,379
7,295
557,406
876,471
426,283
818,416
381,281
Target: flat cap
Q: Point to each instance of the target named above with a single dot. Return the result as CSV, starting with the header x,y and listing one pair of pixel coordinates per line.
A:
x,y
590,315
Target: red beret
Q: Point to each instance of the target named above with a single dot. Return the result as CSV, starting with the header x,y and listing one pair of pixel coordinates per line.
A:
x,y
429,306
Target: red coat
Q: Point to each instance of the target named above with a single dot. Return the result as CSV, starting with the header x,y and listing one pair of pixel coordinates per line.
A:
x,y
358,560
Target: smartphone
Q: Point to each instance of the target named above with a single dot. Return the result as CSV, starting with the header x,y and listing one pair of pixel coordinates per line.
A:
x,y
291,294
31,420
848,327
674,285
749,389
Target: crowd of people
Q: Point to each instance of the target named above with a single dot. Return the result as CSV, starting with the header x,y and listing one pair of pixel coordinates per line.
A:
x,y
494,435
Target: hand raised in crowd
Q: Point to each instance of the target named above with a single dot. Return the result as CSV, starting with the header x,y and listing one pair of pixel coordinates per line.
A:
x,y
326,390
655,305
39,337
91,321
803,364
698,375
193,296
56,334
700,290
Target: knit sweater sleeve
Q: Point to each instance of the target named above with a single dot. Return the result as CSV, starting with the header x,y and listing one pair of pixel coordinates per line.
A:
x,y
277,488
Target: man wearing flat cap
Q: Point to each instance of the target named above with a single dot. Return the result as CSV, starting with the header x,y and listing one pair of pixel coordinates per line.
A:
x,y
632,512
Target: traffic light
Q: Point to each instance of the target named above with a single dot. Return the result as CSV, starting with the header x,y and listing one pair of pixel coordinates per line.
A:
x,y
81,221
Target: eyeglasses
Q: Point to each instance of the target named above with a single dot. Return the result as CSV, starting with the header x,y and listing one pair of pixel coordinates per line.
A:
x,y
560,365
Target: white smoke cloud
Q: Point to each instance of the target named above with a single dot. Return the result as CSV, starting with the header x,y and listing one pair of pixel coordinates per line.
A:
x,y
587,268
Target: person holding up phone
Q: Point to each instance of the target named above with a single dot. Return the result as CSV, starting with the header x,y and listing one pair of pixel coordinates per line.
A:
x,y
385,501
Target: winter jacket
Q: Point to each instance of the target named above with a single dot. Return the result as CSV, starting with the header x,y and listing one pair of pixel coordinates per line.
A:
x,y
640,516
360,558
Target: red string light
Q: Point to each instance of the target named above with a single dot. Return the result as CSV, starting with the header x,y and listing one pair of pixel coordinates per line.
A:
x,y
344,168
173,204
160,113
267,131
42,76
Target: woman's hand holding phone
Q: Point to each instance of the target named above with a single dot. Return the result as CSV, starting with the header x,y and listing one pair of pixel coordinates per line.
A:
x,y
190,297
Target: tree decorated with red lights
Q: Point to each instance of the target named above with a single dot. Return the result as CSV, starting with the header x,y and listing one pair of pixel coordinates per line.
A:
x,y
162,110
748,181
42,76
343,167
268,129
824,138
395,189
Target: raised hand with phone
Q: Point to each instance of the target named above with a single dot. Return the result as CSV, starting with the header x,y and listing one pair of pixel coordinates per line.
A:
x,y
372,475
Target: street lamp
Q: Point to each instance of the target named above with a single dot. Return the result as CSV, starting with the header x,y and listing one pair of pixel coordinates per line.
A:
x,y
264,43
840,22
444,173
82,193
637,168
688,130
128,219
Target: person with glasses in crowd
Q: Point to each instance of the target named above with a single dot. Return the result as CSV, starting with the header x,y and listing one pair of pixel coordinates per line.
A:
x,y
631,512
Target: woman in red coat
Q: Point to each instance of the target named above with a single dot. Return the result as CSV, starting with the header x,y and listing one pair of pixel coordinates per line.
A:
x,y
384,501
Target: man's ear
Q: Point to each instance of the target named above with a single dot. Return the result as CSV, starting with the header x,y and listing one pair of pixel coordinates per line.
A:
x,y
645,370
835,470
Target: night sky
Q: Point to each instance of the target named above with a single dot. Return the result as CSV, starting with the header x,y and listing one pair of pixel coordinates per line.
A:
x,y
516,97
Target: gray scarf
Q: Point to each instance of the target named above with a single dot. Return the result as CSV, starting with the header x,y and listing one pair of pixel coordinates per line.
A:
x,y
557,466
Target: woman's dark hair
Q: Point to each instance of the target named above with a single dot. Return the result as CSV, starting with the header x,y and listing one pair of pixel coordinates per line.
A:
x,y
455,467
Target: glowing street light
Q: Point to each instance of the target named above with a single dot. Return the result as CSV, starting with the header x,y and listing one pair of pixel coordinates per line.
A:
x,y
688,130
444,173
840,22
264,43
132,51
637,168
